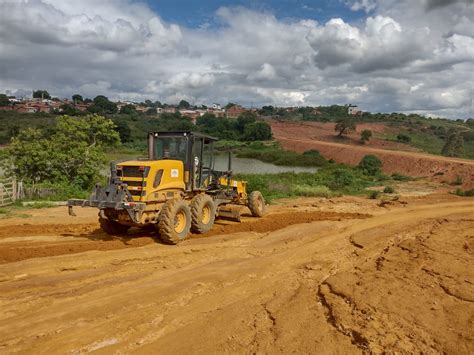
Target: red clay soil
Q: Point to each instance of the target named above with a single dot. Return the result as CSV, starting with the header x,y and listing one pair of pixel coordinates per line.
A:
x,y
31,241
324,131
303,136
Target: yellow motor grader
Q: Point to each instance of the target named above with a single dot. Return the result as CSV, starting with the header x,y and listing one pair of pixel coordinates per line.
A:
x,y
175,189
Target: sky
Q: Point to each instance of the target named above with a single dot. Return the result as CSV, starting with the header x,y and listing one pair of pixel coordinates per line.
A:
x,y
412,56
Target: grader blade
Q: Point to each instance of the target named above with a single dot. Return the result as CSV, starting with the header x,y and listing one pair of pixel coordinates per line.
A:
x,y
229,212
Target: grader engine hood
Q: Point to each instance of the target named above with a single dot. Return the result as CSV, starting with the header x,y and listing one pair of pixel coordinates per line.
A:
x,y
144,178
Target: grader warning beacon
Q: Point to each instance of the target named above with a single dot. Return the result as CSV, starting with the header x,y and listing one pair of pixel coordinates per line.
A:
x,y
175,189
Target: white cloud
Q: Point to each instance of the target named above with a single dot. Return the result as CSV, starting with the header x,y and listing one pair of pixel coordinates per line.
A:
x,y
415,56
366,5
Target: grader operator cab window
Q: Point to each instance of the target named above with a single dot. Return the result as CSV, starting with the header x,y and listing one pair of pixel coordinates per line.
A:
x,y
193,149
171,148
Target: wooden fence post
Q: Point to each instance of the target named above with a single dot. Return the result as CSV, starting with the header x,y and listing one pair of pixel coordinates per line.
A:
x,y
14,190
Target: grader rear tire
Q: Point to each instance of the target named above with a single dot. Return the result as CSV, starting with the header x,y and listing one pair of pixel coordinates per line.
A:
x,y
256,204
175,221
203,213
112,227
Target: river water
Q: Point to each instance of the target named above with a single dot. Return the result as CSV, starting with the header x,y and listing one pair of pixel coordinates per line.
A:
x,y
246,166
254,166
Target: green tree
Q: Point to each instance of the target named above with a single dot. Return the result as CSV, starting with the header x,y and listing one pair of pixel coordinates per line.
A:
x,y
4,100
370,165
345,126
470,122
128,109
454,146
69,110
184,104
365,135
229,105
267,110
102,105
244,119
71,153
257,131
124,131
41,94
77,98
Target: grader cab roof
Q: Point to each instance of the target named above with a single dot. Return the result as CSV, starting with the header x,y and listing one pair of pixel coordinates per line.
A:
x,y
184,134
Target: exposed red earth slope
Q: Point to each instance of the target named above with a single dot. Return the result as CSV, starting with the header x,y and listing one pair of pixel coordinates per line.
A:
x,y
304,136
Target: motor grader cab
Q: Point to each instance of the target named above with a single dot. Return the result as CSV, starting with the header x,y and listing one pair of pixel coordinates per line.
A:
x,y
176,189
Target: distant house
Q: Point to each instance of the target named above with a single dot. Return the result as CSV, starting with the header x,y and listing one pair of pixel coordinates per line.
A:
x,y
193,114
216,112
216,107
81,106
353,110
234,111
169,109
142,109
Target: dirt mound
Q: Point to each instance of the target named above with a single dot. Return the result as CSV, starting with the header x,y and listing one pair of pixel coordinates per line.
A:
x,y
278,221
79,238
301,137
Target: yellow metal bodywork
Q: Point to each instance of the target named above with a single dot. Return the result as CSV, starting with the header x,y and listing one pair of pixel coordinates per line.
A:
x,y
171,182
240,186
154,192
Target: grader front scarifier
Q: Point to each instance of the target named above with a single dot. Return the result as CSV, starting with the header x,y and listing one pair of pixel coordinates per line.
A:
x,y
176,190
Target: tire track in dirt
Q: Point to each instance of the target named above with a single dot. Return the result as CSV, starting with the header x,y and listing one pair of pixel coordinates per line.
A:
x,y
90,237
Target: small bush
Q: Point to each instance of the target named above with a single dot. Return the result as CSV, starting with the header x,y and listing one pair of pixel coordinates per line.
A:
x,y
467,193
342,178
389,190
312,191
257,145
457,181
312,153
365,135
373,195
403,138
400,177
370,165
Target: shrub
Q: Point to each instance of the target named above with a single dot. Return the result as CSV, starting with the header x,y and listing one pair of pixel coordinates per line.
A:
x,y
312,191
374,194
403,138
389,190
370,165
457,181
454,146
467,193
312,153
342,178
365,135
400,177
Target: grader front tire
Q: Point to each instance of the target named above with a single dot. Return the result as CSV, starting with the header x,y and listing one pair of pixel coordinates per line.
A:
x,y
203,212
175,221
256,204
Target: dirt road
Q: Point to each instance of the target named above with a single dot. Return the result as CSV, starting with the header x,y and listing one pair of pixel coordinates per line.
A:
x,y
304,136
332,281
